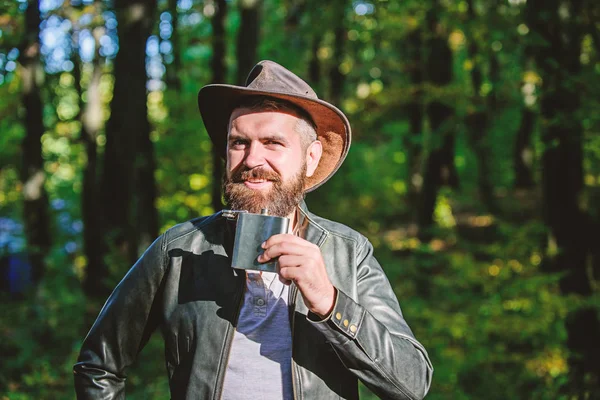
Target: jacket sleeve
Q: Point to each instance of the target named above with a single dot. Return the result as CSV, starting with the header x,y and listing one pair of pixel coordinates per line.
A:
x,y
122,328
371,337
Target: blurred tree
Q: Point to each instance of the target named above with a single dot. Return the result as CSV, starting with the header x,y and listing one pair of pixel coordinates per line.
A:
x,y
559,32
128,188
247,38
523,150
298,10
35,199
295,9
478,118
314,65
92,121
439,166
336,77
591,19
218,72
413,45
145,191
174,69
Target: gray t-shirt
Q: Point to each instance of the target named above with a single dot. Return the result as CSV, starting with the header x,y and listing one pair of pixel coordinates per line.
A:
x,y
260,359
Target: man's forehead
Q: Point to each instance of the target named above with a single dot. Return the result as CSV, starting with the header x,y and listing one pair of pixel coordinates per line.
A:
x,y
242,120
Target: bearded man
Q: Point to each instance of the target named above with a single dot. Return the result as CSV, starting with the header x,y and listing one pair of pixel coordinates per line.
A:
x,y
327,318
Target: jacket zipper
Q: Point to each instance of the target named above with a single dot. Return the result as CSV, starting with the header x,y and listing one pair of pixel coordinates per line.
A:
x,y
230,335
293,297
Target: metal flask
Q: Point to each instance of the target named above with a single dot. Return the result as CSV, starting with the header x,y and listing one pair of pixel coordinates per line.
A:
x,y
250,232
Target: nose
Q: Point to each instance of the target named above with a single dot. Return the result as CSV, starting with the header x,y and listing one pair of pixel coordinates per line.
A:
x,y
254,156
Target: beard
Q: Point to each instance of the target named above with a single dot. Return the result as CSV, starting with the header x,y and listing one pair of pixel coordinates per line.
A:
x,y
281,199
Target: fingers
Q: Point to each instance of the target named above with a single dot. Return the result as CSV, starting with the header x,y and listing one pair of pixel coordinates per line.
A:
x,y
312,282
285,237
285,244
301,262
289,267
281,249
291,261
295,268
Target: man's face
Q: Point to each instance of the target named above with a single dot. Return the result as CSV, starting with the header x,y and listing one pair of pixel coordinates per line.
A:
x,y
266,162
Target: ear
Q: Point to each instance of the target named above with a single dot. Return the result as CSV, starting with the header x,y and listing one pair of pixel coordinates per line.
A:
x,y
313,156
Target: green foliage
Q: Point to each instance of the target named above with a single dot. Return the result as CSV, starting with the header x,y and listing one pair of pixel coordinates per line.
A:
x,y
41,334
490,319
184,156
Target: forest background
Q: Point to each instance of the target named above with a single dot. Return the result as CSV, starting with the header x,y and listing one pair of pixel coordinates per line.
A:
x,y
474,170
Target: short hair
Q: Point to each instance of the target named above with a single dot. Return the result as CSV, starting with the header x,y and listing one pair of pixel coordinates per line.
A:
x,y
305,126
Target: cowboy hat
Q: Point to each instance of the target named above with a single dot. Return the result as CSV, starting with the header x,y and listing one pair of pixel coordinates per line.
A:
x,y
267,78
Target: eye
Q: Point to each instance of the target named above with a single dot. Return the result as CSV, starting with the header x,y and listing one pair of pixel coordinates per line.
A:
x,y
273,143
237,144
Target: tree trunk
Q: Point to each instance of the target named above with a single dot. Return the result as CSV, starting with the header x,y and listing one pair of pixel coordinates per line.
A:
x,y
590,17
495,81
247,38
414,109
477,120
91,123
336,78
439,167
523,151
145,212
558,23
128,186
477,124
218,69
295,10
314,65
32,174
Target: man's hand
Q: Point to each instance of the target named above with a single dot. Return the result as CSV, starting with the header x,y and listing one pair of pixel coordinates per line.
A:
x,y
301,261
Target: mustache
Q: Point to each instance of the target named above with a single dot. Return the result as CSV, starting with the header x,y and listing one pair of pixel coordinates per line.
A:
x,y
241,175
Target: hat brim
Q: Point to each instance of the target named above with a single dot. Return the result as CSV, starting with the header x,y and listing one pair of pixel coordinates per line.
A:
x,y
216,103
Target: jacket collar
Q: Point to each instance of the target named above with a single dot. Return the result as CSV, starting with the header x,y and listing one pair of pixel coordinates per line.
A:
x,y
308,228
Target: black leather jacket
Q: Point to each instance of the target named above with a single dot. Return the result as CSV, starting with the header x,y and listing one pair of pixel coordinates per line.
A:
x,y
184,286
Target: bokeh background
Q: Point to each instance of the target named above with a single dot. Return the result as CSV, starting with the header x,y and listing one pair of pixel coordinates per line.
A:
x,y
474,170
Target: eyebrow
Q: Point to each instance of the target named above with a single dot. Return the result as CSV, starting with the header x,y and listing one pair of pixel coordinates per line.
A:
x,y
273,136
276,137
236,137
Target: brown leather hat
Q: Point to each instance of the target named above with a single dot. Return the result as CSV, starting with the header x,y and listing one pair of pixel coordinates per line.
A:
x,y
267,78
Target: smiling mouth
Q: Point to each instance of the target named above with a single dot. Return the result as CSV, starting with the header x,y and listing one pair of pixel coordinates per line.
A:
x,y
257,178
255,183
